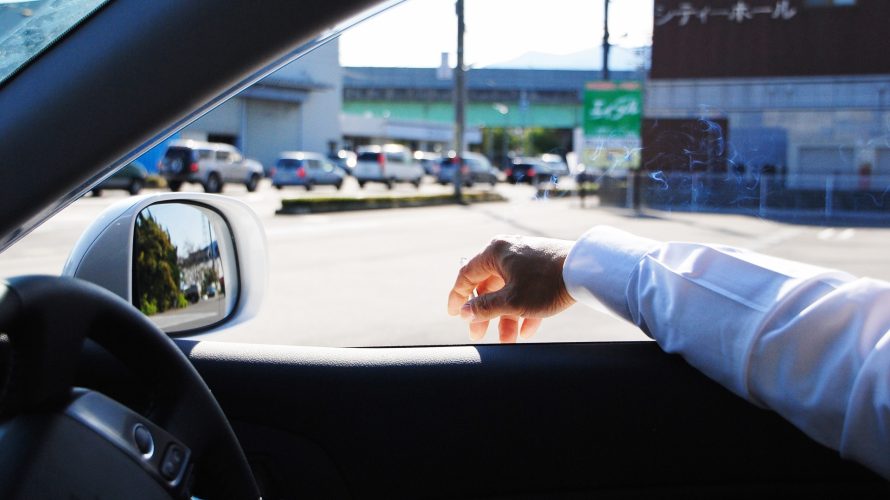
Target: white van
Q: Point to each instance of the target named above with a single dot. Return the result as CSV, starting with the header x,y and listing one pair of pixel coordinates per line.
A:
x,y
388,164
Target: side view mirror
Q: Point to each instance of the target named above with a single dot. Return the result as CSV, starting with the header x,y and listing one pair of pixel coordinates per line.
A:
x,y
191,262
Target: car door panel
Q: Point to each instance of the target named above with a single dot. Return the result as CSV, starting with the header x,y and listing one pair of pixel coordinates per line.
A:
x,y
530,421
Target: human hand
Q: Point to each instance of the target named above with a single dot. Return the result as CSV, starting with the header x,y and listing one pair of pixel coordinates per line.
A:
x,y
515,278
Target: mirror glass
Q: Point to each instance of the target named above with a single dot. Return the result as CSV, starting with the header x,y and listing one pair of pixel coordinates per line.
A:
x,y
184,271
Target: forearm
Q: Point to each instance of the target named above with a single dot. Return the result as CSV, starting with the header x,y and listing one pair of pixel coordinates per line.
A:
x,y
795,338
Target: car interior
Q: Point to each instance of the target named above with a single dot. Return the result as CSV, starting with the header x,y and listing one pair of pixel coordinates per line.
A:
x,y
572,420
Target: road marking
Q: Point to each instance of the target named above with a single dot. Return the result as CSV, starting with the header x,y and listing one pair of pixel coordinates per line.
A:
x,y
833,234
326,224
775,238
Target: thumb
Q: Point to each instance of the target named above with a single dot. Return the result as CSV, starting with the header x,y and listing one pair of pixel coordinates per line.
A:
x,y
489,306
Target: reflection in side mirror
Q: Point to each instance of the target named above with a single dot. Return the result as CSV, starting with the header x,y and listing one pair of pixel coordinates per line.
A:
x,y
184,268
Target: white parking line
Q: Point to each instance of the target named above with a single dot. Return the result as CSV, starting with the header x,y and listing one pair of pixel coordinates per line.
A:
x,y
833,234
775,238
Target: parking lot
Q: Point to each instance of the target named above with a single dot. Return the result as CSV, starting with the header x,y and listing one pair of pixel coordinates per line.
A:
x,y
381,277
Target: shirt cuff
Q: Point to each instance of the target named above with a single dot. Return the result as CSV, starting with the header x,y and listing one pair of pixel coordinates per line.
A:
x,y
598,267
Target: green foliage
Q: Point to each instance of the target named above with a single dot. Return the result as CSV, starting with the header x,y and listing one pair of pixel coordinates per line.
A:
x,y
148,307
155,270
181,301
544,140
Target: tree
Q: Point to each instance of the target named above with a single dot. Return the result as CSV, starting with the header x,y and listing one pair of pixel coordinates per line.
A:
x,y
156,276
545,140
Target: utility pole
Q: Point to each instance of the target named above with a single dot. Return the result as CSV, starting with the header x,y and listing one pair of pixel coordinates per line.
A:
x,y
606,41
460,97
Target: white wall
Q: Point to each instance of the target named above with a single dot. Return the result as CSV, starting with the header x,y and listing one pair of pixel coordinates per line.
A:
x,y
265,128
321,112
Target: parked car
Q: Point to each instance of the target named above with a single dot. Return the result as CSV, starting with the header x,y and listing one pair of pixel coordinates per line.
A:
x,y
386,164
130,178
344,160
211,164
193,293
475,168
300,168
428,161
556,164
526,171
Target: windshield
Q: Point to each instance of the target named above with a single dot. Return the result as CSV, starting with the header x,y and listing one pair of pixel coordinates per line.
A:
x,y
27,27
289,163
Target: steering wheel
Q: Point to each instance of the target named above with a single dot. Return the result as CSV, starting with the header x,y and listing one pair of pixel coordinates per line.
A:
x,y
56,440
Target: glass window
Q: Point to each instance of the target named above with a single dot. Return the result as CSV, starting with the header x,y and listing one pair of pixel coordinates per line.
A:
x,y
829,3
367,156
289,163
782,147
224,156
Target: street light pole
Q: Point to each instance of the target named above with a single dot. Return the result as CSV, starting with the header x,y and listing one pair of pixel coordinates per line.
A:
x,y
606,40
459,102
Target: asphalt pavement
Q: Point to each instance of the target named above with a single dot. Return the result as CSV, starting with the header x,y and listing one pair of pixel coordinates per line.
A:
x,y
375,278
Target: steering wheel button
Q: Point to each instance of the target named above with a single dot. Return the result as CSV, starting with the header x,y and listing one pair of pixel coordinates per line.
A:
x,y
144,440
172,463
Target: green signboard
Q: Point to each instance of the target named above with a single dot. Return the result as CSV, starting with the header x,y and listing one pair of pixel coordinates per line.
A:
x,y
613,109
613,115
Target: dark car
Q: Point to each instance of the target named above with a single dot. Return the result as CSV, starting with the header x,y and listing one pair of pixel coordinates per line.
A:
x,y
130,178
475,169
528,172
429,161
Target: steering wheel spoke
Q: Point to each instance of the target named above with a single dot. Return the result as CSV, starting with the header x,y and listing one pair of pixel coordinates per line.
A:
x,y
46,320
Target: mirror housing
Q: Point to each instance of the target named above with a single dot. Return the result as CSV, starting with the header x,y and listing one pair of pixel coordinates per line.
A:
x,y
104,255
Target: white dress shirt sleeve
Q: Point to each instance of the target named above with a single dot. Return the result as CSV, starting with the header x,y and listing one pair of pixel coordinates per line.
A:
x,y
809,343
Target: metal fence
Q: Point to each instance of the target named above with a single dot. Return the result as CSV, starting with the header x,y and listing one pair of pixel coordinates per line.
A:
x,y
810,197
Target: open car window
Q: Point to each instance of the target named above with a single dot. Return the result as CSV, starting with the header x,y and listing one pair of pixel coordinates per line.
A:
x,y
781,148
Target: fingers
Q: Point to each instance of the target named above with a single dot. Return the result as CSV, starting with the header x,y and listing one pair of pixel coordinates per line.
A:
x,y
529,327
508,328
478,330
490,306
492,284
476,271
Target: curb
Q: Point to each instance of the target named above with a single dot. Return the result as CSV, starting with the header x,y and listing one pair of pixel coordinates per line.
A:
x,y
300,206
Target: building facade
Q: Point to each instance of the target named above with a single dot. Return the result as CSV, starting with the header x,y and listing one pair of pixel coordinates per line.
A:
x,y
417,104
296,108
802,86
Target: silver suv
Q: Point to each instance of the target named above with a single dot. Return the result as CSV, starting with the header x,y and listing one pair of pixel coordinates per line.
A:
x,y
211,164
